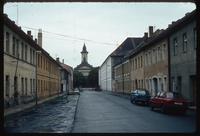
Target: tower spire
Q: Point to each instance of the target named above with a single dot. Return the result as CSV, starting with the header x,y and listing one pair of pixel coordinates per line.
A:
x,y
84,53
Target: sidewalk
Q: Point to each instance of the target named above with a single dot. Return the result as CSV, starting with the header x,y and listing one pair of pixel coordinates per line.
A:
x,y
22,107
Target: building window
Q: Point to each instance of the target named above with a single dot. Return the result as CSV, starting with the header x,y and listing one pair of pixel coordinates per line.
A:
x,y
17,44
26,50
150,59
38,62
146,60
160,53
15,84
175,46
179,82
33,57
38,86
7,85
22,50
31,86
31,61
22,85
7,42
154,56
13,48
184,42
195,38
34,86
26,86
164,51
135,63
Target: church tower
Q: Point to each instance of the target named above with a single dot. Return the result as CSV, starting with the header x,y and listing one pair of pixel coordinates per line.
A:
x,y
84,54
84,67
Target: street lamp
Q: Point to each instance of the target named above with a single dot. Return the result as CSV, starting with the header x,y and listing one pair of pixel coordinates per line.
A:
x,y
36,97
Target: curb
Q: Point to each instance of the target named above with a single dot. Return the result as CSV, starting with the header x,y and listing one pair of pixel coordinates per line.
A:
x,y
72,127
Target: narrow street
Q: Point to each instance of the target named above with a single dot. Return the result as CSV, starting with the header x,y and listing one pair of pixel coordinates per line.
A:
x,y
101,112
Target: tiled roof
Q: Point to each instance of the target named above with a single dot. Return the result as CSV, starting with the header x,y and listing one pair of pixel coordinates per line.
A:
x,y
164,33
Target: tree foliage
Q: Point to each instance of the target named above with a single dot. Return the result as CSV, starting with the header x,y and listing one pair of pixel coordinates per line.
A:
x,y
79,79
93,77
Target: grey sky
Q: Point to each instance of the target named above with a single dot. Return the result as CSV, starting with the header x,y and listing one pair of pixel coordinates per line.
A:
x,y
102,22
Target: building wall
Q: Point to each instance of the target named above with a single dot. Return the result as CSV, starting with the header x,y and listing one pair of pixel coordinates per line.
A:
x,y
137,71
156,67
118,78
48,77
24,71
183,62
105,75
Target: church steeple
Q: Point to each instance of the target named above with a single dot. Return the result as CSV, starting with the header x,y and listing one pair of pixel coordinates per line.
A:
x,y
84,54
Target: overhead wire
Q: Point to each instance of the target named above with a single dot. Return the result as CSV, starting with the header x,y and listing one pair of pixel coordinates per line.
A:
x,y
71,37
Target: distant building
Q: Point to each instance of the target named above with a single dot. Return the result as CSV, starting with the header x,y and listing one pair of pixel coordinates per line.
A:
x,y
66,77
106,73
84,67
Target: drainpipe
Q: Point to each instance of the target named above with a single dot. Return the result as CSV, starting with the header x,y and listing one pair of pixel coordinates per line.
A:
x,y
169,64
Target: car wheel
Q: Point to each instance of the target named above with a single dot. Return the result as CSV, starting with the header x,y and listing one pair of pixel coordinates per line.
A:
x,y
163,109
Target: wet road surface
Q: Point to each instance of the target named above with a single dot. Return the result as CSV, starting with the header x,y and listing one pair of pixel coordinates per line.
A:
x,y
100,112
55,116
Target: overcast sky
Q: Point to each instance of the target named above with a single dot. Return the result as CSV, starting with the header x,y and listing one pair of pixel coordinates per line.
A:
x,y
102,26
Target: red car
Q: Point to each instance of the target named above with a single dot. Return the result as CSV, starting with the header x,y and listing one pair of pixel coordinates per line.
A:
x,y
168,101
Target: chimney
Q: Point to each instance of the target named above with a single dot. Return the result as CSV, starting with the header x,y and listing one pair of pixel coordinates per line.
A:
x,y
36,40
150,31
57,59
29,33
63,61
145,36
40,37
173,22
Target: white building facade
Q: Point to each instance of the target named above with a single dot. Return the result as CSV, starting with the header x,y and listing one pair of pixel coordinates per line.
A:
x,y
105,75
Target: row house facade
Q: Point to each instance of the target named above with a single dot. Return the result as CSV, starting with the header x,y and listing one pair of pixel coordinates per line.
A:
x,y
165,61
19,65
30,73
48,75
183,47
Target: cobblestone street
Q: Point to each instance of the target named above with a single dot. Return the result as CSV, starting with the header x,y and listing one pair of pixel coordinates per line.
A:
x,y
55,116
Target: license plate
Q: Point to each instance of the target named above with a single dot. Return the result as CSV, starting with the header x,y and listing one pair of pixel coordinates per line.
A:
x,y
178,103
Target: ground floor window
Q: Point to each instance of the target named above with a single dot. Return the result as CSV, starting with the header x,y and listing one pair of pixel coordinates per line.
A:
x,y
26,86
7,85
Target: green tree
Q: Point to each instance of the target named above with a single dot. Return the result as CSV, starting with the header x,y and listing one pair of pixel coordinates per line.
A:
x,y
93,77
79,79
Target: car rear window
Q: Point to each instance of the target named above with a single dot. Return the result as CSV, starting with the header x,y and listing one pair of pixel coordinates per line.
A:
x,y
142,92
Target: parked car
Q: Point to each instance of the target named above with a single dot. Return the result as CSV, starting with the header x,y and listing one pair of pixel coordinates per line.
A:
x,y
169,101
140,95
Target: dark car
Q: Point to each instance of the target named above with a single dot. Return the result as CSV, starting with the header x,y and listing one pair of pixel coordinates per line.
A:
x,y
169,101
140,96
